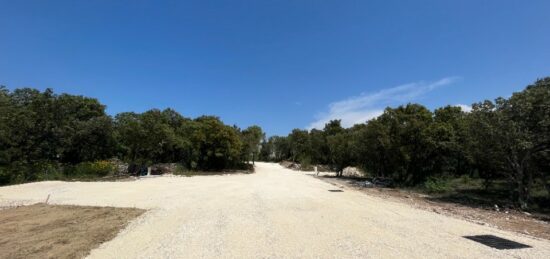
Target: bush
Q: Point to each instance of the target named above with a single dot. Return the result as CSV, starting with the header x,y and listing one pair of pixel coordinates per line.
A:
x,y
181,170
305,163
4,176
47,172
465,182
437,185
19,172
90,169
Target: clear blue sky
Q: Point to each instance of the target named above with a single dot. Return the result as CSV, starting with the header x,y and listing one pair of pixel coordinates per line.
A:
x,y
278,64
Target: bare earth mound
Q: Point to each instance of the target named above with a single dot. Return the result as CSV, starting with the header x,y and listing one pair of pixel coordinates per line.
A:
x,y
60,231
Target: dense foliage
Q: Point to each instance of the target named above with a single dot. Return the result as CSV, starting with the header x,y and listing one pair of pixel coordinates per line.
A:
x,y
48,136
506,139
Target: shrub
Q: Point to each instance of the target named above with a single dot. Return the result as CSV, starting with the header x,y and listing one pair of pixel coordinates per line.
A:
x,y
47,172
19,172
437,185
305,163
90,169
466,182
181,170
4,176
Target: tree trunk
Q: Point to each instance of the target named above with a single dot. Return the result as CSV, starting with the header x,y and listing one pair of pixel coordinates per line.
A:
x,y
486,182
546,182
523,195
524,182
517,175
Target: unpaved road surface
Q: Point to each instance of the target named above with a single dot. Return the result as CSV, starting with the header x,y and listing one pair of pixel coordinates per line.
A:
x,y
274,213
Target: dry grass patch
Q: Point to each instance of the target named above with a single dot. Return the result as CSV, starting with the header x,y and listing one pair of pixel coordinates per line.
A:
x,y
55,231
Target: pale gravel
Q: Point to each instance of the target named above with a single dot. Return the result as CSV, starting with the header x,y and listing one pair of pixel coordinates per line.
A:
x,y
274,213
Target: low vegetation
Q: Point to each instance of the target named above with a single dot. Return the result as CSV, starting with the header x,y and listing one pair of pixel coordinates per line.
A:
x,y
506,141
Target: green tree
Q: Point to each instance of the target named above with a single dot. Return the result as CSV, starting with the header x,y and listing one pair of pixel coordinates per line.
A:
x,y
266,151
6,110
523,126
281,147
319,147
150,137
373,147
448,134
340,147
409,151
299,144
63,128
484,145
252,138
333,127
216,145
41,129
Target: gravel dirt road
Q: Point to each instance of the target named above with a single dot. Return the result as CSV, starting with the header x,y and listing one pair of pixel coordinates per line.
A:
x,y
276,213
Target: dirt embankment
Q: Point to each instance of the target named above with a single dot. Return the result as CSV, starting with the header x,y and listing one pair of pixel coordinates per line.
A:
x,y
47,231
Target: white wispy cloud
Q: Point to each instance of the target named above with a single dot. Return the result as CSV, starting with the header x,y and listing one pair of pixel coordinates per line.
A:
x,y
359,109
464,107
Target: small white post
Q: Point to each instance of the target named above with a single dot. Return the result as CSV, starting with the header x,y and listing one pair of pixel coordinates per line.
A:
x,y
316,172
148,171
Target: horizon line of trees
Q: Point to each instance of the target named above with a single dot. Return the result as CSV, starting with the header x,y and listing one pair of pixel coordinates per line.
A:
x,y
41,132
508,138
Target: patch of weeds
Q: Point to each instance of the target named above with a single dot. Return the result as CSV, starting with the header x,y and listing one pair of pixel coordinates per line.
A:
x,y
305,163
465,182
89,170
437,185
181,170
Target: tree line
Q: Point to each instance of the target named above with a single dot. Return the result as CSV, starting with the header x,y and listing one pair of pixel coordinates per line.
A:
x,y
508,138
44,135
